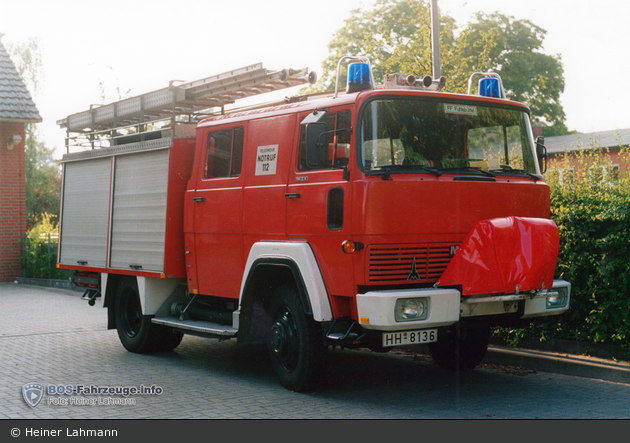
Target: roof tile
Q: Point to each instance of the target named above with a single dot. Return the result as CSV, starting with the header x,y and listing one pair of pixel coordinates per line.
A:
x,y
573,142
15,100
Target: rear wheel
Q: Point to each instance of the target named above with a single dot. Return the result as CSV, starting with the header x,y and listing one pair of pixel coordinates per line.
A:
x,y
135,331
295,344
461,347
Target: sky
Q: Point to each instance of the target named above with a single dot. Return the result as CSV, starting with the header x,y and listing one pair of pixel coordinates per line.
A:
x,y
137,46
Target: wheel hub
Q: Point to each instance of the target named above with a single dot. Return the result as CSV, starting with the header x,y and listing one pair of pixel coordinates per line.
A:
x,y
279,338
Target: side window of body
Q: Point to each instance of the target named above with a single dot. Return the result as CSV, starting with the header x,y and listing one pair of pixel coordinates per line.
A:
x,y
224,153
334,141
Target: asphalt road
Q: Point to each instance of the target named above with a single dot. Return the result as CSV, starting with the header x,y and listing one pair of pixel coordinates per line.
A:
x,y
50,337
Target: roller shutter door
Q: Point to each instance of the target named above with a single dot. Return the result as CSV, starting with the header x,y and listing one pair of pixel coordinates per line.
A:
x,y
84,218
139,211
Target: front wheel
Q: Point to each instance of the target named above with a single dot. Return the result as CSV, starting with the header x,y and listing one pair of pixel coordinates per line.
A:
x,y
461,347
295,344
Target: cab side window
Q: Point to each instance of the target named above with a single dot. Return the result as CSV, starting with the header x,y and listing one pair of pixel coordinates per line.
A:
x,y
224,153
333,147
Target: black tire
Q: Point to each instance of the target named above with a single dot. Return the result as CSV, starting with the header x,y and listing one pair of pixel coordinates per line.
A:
x,y
295,343
168,339
135,331
461,347
375,344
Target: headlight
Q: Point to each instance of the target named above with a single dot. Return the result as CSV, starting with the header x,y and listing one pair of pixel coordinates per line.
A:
x,y
410,309
558,298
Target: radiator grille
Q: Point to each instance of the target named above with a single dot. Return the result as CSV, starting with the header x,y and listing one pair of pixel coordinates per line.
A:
x,y
396,263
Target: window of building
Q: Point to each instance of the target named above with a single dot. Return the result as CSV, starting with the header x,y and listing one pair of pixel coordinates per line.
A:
x,y
604,174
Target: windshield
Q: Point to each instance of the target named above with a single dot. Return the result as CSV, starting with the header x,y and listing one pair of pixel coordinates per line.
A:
x,y
407,135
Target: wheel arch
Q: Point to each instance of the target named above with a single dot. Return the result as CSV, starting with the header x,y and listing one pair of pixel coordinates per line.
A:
x,y
109,287
271,264
268,273
152,291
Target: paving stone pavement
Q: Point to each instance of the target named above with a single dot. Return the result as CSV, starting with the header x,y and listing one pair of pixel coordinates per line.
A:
x,y
52,337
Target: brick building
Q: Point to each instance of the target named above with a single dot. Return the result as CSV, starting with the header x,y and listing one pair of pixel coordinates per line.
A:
x,y
607,143
16,109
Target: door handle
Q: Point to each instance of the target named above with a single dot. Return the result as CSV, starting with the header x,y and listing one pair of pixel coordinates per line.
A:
x,y
292,195
199,199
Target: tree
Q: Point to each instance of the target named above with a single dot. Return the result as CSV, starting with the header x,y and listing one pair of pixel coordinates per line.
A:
x,y
43,181
396,37
512,48
43,176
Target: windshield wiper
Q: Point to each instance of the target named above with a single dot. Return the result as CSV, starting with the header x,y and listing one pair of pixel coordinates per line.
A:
x,y
507,169
469,169
387,170
422,168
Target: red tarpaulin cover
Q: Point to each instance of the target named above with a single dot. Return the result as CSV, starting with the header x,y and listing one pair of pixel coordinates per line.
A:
x,y
501,253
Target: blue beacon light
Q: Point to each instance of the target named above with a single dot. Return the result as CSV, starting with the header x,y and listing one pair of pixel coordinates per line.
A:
x,y
489,87
359,77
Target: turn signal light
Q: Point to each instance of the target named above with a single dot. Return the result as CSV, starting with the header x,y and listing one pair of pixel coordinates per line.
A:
x,y
349,246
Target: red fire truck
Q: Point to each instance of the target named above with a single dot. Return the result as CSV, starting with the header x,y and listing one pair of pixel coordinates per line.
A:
x,y
380,216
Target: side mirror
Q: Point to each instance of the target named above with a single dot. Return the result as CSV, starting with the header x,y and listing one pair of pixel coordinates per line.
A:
x,y
316,152
541,153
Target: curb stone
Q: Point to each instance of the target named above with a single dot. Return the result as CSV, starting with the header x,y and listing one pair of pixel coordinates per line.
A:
x,y
560,363
48,282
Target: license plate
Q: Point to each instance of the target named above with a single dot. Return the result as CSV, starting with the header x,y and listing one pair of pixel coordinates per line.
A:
x,y
409,337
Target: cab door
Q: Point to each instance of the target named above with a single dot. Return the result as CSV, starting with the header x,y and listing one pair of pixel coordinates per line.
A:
x,y
318,192
218,212
266,169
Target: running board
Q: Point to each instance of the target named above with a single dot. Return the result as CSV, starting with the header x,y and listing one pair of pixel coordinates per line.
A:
x,y
198,326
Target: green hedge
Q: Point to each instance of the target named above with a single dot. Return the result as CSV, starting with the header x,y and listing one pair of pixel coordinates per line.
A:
x,y
591,208
40,252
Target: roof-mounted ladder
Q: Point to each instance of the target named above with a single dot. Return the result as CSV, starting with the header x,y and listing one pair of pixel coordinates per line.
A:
x,y
195,100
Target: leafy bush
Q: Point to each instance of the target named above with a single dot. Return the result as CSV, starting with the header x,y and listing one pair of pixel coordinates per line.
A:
x,y
591,208
41,251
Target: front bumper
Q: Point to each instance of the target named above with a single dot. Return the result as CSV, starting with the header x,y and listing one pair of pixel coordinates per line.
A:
x,y
377,309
